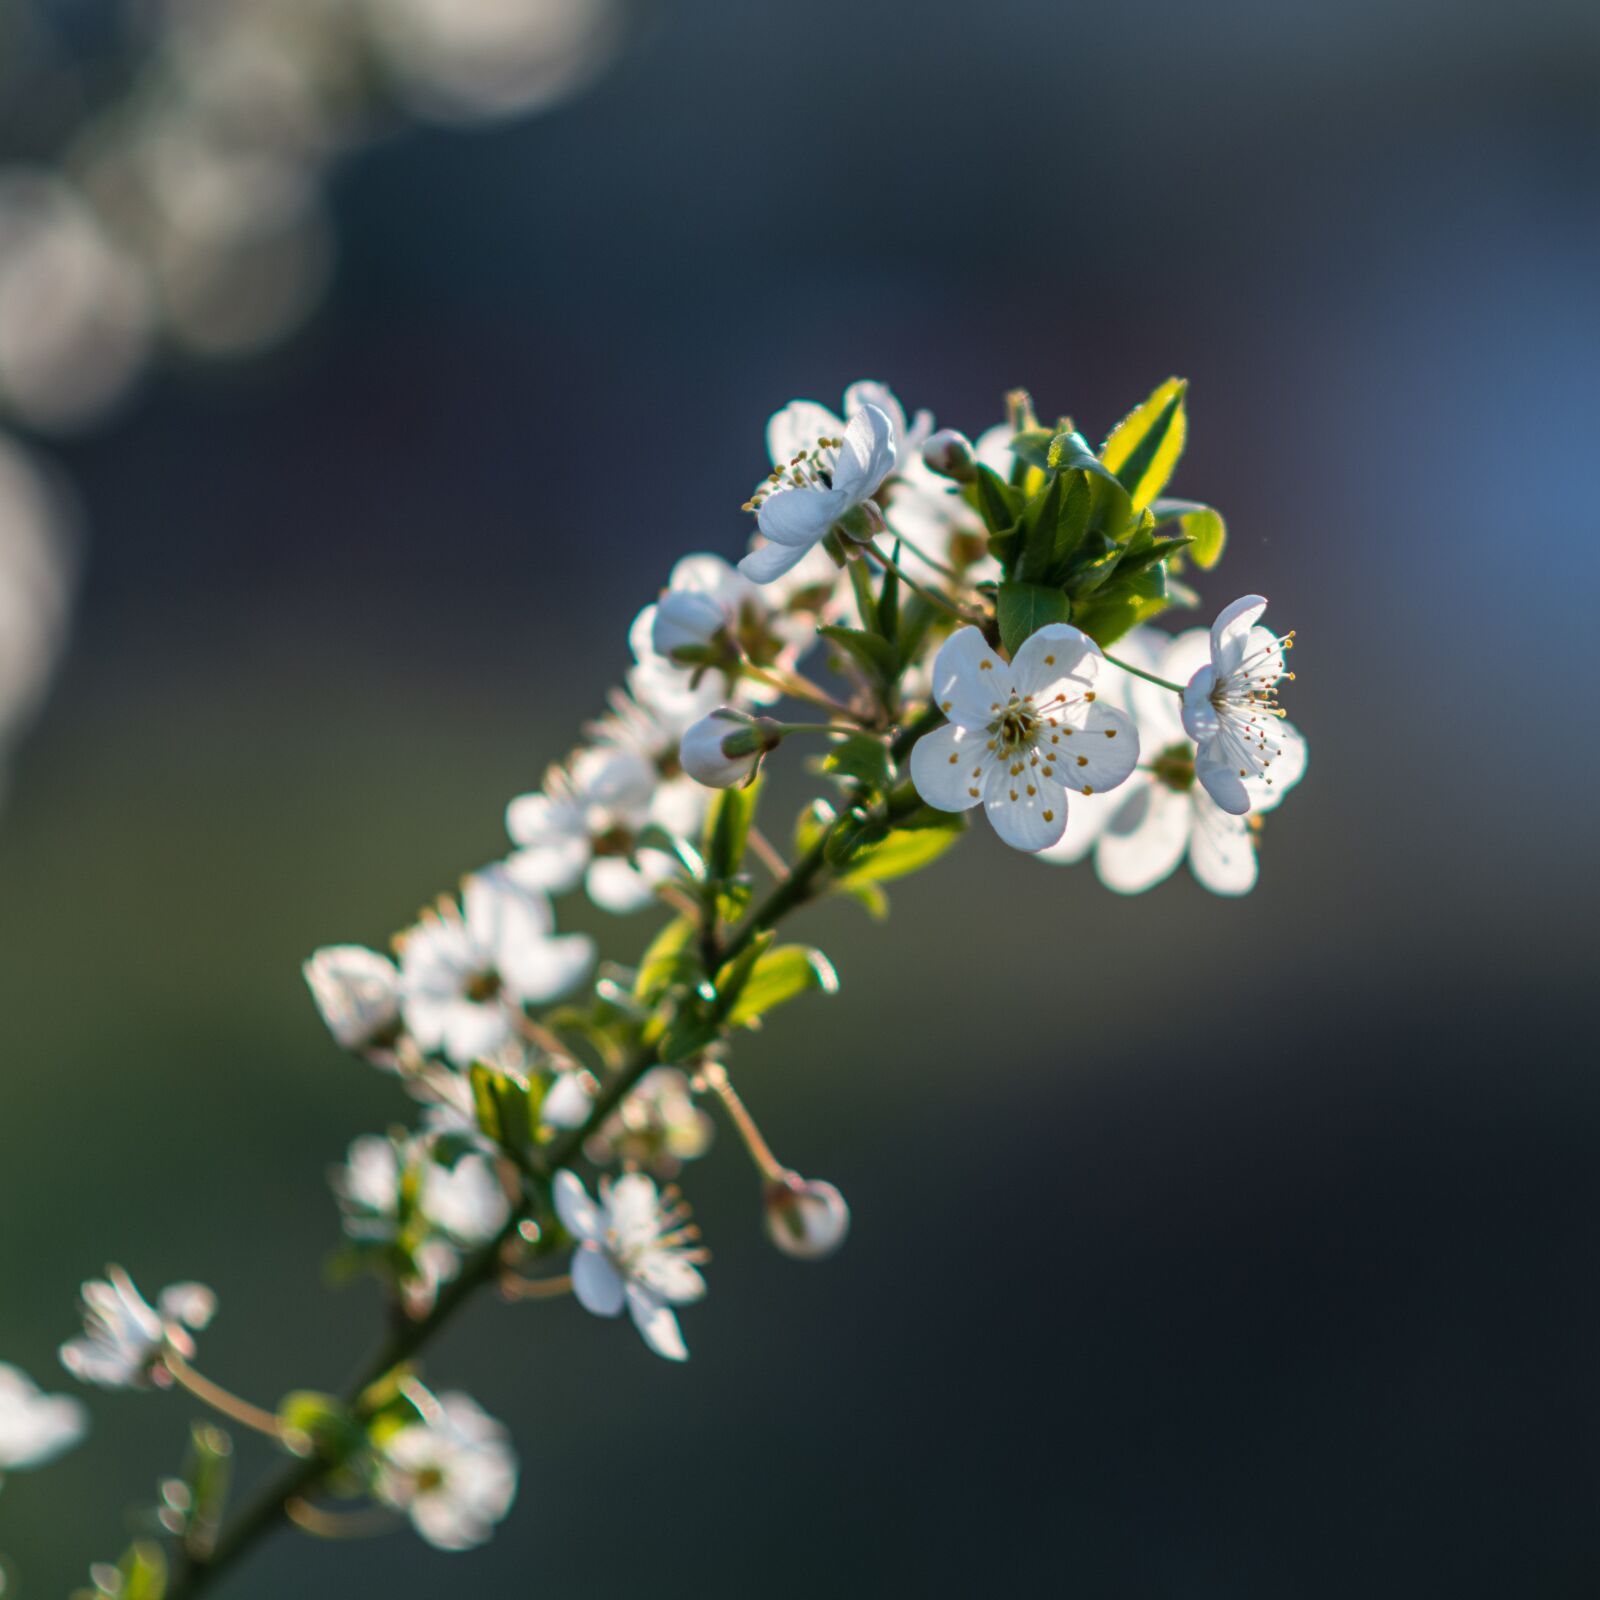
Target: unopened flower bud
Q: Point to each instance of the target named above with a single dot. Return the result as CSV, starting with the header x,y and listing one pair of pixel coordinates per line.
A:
x,y
686,626
949,453
724,748
805,1218
358,993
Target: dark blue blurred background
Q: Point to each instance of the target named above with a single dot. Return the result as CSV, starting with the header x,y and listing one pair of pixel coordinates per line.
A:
x,y
1201,1248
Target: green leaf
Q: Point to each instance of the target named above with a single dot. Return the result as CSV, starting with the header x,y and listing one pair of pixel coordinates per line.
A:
x,y
871,651
854,831
916,617
781,975
667,962
906,850
889,600
996,501
862,759
507,1108
1143,449
728,828
1202,523
1111,510
143,1570
1024,608
327,1426
1037,526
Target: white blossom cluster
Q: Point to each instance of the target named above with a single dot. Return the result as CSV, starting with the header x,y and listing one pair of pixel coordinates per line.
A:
x,y
956,627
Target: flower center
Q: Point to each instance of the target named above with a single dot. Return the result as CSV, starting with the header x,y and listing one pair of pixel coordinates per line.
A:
x,y
483,987
810,469
1014,729
1175,767
616,841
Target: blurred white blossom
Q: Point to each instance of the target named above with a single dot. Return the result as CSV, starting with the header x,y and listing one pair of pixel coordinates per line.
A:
x,y
125,1338
35,1427
454,1473
465,972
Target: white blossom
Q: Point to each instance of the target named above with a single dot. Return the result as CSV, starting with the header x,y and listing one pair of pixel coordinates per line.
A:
x,y
1230,707
454,1473
805,1218
658,1126
125,1337
632,1250
466,972
465,1202
584,823
35,1427
817,488
568,1100
358,993
1141,832
712,616
1020,734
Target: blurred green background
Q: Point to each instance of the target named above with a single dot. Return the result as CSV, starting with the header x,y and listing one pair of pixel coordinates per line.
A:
x,y
1200,1248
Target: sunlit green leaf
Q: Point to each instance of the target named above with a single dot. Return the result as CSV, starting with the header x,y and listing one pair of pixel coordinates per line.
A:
x,y
1024,608
1143,449
781,975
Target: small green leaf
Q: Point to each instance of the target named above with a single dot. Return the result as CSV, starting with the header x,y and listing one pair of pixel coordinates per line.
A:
x,y
871,651
854,831
1202,523
862,759
728,828
1111,510
996,501
329,1429
1024,608
142,1571
889,600
906,850
1143,449
781,975
507,1107
667,962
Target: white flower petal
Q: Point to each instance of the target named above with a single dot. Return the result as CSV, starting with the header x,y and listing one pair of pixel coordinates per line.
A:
x,y
597,1284
501,915
1087,816
580,1216
1217,772
796,429
1287,769
772,561
1058,660
473,1030
1100,752
667,1274
799,516
867,456
1028,810
656,1323
969,679
1222,853
615,884
192,1304
1230,633
947,767
539,972
1145,839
